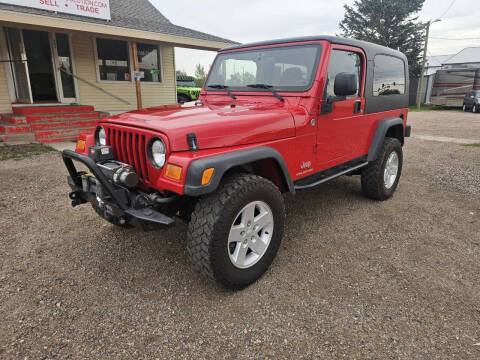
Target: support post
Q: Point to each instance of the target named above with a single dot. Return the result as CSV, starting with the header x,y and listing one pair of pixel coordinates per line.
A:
x,y
422,75
137,81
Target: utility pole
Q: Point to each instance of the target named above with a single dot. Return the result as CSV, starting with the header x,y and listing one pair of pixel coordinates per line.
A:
x,y
422,74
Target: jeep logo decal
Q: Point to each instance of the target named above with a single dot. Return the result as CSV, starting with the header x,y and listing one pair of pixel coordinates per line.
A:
x,y
305,165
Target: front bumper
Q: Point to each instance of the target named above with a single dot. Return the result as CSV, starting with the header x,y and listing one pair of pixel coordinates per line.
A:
x,y
115,201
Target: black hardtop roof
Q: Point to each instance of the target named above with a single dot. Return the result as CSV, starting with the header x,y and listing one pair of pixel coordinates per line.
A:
x,y
370,48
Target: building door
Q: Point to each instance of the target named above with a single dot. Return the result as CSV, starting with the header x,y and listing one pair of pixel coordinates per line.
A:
x,y
65,70
18,65
40,65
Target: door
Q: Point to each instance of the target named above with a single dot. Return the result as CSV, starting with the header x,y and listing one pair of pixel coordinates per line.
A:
x,y
470,99
40,65
18,65
339,129
64,67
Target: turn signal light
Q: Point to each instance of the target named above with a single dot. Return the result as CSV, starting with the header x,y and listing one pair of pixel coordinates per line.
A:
x,y
81,145
173,172
207,175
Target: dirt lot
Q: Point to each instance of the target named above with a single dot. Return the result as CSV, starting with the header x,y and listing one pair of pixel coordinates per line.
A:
x,y
353,279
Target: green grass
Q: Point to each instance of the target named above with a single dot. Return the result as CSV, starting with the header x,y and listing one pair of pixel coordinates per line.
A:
x,y
473,145
19,152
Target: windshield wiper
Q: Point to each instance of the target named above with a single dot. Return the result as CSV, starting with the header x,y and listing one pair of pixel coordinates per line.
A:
x,y
267,87
223,87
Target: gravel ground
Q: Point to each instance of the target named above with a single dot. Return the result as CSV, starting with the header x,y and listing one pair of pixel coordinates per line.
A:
x,y
353,279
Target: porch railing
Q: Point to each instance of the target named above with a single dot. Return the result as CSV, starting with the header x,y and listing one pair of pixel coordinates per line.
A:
x,y
63,69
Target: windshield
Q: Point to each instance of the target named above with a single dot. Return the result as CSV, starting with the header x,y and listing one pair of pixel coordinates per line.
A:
x,y
286,68
185,83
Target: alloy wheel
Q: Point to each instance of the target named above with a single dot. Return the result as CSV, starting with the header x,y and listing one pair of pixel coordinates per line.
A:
x,y
250,234
391,170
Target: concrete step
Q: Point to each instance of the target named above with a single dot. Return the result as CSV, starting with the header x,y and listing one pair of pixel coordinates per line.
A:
x,y
62,134
36,110
48,117
18,138
7,128
13,119
63,124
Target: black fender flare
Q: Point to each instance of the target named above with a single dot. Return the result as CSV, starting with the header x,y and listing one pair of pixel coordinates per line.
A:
x,y
223,162
379,135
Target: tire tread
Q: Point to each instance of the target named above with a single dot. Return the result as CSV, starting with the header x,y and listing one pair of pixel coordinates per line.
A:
x,y
207,215
372,176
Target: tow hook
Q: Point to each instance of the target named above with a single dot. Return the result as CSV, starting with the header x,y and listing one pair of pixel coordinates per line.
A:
x,y
101,204
106,211
76,199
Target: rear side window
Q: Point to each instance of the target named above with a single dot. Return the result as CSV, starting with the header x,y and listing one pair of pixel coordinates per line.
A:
x,y
342,61
388,76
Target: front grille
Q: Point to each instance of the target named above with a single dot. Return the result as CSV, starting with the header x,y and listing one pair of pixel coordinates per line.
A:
x,y
129,147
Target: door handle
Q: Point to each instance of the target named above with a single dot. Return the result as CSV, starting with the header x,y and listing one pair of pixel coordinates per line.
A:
x,y
357,107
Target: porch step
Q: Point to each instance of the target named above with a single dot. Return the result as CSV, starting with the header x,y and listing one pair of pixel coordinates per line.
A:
x,y
48,123
14,138
61,123
34,110
8,128
48,136
13,119
48,117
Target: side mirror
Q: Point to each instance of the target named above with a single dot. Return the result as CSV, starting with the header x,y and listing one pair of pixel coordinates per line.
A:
x,y
345,84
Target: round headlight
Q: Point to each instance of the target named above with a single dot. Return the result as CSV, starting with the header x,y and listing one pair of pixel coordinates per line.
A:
x,y
157,153
100,136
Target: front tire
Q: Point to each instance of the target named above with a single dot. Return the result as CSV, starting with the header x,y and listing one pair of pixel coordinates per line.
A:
x,y
474,108
235,233
380,177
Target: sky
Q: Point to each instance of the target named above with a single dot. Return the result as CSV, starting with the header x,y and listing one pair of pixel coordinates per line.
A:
x,y
256,20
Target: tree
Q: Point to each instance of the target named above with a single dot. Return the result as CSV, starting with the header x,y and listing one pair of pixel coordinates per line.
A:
x,y
391,23
181,73
200,75
241,79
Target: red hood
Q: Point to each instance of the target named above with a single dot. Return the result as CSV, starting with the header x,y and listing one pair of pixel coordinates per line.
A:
x,y
214,125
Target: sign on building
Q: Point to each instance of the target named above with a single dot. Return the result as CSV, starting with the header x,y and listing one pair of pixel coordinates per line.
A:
x,y
92,8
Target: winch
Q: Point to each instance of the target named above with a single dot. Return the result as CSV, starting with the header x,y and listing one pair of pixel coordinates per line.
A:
x,y
120,173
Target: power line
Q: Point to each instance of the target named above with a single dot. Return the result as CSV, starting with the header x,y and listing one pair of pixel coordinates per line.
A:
x,y
448,9
442,38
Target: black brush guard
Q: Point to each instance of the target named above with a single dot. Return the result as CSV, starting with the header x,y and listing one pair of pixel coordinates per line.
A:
x,y
116,199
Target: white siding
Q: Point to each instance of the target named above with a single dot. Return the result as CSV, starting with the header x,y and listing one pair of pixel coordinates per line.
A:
x,y
153,94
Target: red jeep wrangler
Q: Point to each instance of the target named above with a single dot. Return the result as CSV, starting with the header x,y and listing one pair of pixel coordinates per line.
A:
x,y
273,117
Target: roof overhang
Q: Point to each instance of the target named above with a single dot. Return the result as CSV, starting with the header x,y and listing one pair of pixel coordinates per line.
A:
x,y
66,24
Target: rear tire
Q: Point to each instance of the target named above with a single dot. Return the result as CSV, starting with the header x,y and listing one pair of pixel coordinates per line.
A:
x,y
464,107
474,108
235,233
380,177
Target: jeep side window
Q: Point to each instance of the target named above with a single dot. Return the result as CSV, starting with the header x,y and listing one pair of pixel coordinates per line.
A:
x,y
388,76
343,61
